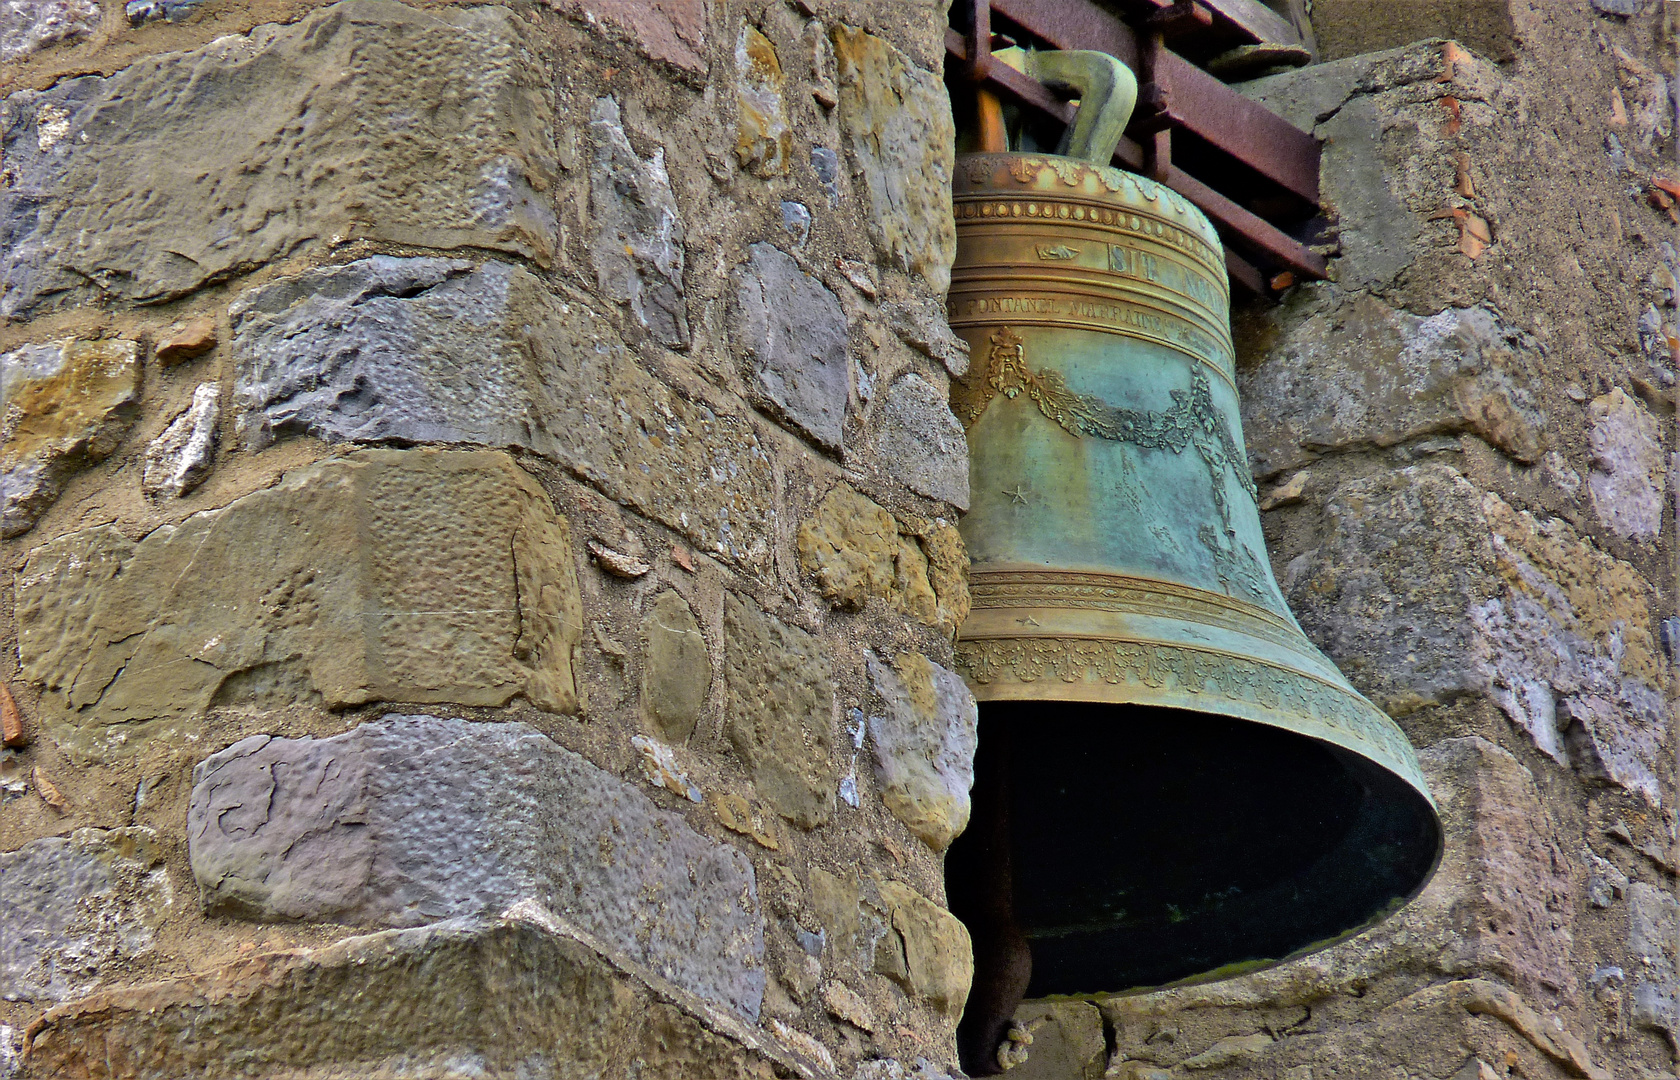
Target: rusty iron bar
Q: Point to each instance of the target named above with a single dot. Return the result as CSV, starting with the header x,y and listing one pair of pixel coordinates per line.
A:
x,y
1193,100
1241,226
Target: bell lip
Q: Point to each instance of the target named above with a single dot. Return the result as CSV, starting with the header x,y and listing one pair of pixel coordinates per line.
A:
x,y
1417,787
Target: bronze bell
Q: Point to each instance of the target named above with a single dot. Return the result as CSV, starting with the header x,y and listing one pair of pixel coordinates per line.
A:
x,y
1172,781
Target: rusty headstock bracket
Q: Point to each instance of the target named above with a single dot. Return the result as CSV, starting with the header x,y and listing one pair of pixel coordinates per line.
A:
x,y
1251,172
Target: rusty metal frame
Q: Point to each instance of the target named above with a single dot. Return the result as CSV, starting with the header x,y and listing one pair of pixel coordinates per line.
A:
x,y
1258,157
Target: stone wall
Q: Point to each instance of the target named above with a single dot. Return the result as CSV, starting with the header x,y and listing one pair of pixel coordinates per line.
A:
x,y
1464,449
479,550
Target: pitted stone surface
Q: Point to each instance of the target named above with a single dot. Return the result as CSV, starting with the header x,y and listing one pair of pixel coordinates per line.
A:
x,y
793,332
925,740
435,128
637,249
413,819
1627,478
432,350
74,905
896,122
781,712
470,997
677,669
28,26
463,589
921,442
179,459
1363,374
855,551
67,405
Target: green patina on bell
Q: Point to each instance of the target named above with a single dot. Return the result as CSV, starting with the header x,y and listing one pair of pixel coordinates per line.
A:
x,y
1186,783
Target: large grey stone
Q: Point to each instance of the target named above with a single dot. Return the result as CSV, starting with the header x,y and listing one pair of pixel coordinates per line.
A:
x,y
1627,479
28,26
925,740
413,819
1654,941
522,996
638,244
392,575
919,440
67,405
368,118
793,332
1358,373
1424,589
781,712
422,350
76,904
897,127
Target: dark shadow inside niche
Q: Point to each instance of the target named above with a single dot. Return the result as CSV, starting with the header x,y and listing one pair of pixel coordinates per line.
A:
x,y
1132,846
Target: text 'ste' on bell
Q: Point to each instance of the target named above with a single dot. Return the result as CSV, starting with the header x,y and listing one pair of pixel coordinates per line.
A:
x,y
1171,779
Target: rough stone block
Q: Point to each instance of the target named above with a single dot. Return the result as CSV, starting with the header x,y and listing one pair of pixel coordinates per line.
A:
x,y
638,244
855,550
763,139
75,904
938,956
1627,478
433,127
414,819
494,998
424,350
781,712
920,441
924,745
28,26
461,587
1359,373
793,332
1654,941
1350,27
1068,1041
670,30
896,122
67,405
676,668
179,459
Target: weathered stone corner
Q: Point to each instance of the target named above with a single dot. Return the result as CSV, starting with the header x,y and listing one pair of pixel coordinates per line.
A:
x,y
925,738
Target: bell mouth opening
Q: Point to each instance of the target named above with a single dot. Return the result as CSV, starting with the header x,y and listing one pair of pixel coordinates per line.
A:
x,y
1149,845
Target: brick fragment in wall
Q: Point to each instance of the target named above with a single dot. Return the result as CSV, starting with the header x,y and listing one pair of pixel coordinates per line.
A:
x,y
28,26
74,906
485,997
932,954
925,737
413,819
1627,478
670,30
433,350
179,459
919,441
781,712
637,249
67,405
895,122
793,333
1654,941
856,551
1348,374
233,137
676,668
763,136
408,575
1424,589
